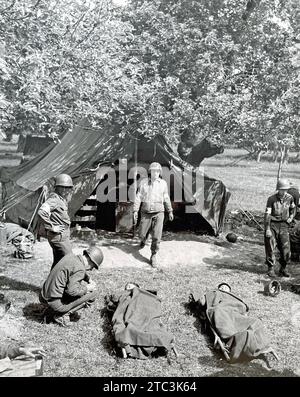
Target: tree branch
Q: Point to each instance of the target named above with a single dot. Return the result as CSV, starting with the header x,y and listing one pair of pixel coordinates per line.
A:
x,y
9,7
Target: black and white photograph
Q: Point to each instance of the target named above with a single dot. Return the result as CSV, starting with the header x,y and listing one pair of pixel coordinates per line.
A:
x,y
149,191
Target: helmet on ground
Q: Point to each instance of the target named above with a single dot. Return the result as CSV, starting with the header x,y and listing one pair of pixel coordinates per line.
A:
x,y
95,254
64,180
272,288
231,237
224,287
155,166
283,184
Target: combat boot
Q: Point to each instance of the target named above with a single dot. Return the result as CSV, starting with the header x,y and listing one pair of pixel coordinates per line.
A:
x,y
153,260
63,321
283,273
142,244
74,317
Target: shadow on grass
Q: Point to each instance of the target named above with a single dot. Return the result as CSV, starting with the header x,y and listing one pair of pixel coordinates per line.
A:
x,y
134,251
250,369
34,312
228,262
15,285
200,323
108,341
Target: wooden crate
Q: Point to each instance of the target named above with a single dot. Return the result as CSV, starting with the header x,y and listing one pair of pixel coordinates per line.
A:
x,y
24,367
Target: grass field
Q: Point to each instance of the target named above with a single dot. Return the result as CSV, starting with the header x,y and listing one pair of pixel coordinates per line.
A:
x,y
250,182
87,348
190,263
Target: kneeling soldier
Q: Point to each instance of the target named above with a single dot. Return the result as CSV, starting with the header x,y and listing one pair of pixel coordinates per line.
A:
x,y
279,214
64,291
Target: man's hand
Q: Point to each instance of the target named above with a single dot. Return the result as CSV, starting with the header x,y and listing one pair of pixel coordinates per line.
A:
x,y
91,286
57,229
171,216
268,233
32,351
135,217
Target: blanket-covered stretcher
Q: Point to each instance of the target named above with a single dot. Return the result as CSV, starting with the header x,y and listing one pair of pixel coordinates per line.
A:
x,y
136,324
238,336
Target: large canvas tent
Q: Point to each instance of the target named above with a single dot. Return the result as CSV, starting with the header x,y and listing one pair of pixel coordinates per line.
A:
x,y
82,153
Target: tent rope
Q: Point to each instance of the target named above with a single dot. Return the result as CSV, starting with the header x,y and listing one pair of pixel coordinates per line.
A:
x,y
41,198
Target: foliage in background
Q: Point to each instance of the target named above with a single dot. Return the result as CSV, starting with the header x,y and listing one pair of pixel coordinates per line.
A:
x,y
228,68
224,68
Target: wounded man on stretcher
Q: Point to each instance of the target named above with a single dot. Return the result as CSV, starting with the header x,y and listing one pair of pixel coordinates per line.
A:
x,y
136,323
238,336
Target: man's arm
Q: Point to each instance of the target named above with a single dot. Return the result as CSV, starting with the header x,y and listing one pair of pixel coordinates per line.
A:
x,y
137,204
166,199
292,211
44,213
10,350
74,286
138,199
267,220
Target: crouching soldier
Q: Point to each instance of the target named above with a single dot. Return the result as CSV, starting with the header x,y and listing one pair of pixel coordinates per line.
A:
x,y
68,287
280,212
54,215
154,197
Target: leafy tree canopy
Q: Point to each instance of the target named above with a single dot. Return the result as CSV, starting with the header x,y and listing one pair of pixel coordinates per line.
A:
x,y
224,68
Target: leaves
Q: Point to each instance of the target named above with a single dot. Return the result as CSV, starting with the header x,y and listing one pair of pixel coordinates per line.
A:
x,y
153,67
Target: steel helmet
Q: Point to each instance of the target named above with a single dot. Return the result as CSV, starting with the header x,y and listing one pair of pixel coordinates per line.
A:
x,y
293,185
225,285
231,237
155,166
283,184
95,254
272,288
64,180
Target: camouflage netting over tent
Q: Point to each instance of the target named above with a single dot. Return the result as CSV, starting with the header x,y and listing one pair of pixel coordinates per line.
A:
x,y
81,154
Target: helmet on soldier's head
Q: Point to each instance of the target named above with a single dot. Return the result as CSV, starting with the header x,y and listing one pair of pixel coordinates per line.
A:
x,y
293,185
95,254
283,184
64,180
231,237
155,166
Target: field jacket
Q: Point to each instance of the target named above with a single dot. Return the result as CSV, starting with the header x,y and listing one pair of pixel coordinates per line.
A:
x,y
153,196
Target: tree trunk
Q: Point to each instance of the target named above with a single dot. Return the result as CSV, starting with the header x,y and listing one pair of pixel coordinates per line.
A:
x,y
259,156
282,153
286,156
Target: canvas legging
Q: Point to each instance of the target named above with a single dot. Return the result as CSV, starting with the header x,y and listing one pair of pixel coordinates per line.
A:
x,y
280,239
152,223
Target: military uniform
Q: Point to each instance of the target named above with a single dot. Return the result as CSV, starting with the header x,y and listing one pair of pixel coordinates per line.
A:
x,y
279,210
54,212
153,197
296,196
63,290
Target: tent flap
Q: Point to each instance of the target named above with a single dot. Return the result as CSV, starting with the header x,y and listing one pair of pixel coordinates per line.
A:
x,y
80,154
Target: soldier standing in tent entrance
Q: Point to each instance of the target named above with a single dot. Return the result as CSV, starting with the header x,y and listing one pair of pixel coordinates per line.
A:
x,y
154,197
279,214
54,214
